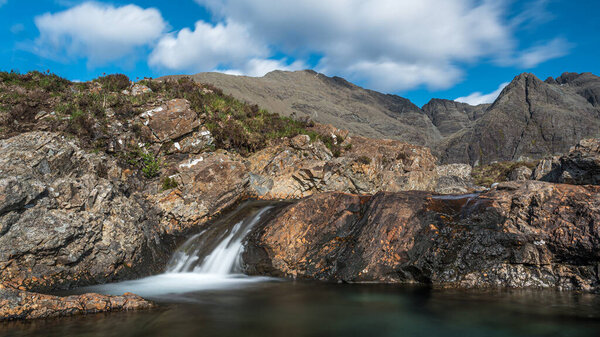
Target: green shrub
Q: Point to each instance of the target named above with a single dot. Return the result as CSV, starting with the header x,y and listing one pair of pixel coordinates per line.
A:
x,y
169,183
150,165
114,82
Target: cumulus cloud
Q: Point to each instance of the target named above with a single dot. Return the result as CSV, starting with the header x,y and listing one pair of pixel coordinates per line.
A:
x,y
533,56
389,44
477,98
98,32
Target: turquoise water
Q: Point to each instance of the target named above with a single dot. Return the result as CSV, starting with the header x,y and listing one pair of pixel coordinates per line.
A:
x,y
290,309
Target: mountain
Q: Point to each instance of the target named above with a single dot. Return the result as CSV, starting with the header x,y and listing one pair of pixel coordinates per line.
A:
x,y
331,100
529,120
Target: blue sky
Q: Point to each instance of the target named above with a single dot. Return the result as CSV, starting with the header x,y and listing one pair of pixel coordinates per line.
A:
x,y
417,49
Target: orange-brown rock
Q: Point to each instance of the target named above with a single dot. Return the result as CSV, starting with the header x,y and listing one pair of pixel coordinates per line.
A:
x,y
19,305
522,234
170,120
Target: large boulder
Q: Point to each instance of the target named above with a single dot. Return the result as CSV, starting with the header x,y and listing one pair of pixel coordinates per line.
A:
x,y
581,166
70,218
169,121
525,234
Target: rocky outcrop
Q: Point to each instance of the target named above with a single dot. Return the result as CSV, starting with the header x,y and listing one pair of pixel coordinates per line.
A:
x,y
20,305
581,166
70,218
169,121
526,234
450,116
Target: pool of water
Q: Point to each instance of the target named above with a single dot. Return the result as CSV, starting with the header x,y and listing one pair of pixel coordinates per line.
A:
x,y
288,309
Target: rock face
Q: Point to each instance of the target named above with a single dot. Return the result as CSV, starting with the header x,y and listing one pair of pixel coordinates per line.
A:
x,y
527,234
19,305
530,119
331,100
450,116
70,218
581,166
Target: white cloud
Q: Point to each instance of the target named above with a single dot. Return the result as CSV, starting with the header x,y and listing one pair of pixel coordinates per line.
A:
x,y
389,44
477,98
533,56
98,32
260,67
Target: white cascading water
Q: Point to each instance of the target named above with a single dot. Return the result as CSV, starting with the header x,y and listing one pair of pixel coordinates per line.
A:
x,y
224,259
207,261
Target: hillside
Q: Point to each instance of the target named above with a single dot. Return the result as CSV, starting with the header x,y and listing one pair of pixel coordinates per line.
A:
x,y
530,118
331,100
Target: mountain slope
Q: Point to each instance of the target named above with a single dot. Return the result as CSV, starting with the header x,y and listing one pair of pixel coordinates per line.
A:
x,y
331,100
530,119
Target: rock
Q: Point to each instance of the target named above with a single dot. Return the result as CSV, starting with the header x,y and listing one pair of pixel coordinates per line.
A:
x,y
300,168
453,179
170,121
195,143
20,305
139,89
581,166
67,217
520,173
522,234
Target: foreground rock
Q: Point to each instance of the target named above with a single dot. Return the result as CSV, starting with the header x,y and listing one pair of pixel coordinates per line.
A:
x,y
70,218
526,234
581,166
20,305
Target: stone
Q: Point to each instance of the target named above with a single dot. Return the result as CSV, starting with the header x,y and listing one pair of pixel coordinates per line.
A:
x,y
169,121
520,235
520,173
23,305
139,89
581,166
67,217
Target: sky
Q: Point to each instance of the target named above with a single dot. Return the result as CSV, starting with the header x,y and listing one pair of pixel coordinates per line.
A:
x,y
465,50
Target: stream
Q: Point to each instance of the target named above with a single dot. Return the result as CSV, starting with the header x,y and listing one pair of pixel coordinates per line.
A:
x,y
204,293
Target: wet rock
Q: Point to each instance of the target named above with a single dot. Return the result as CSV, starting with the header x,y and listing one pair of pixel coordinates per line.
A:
x,y
22,305
522,234
169,121
520,173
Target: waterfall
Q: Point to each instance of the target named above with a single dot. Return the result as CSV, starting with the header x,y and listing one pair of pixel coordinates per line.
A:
x,y
198,255
209,260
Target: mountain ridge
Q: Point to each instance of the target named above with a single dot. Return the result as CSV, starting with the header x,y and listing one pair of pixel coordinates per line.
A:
x,y
526,121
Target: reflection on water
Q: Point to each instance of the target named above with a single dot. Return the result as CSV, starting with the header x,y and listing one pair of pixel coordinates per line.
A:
x,y
312,309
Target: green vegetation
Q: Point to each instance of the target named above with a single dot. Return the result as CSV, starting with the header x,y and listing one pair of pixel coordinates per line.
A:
x,y
81,110
169,183
497,172
114,82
